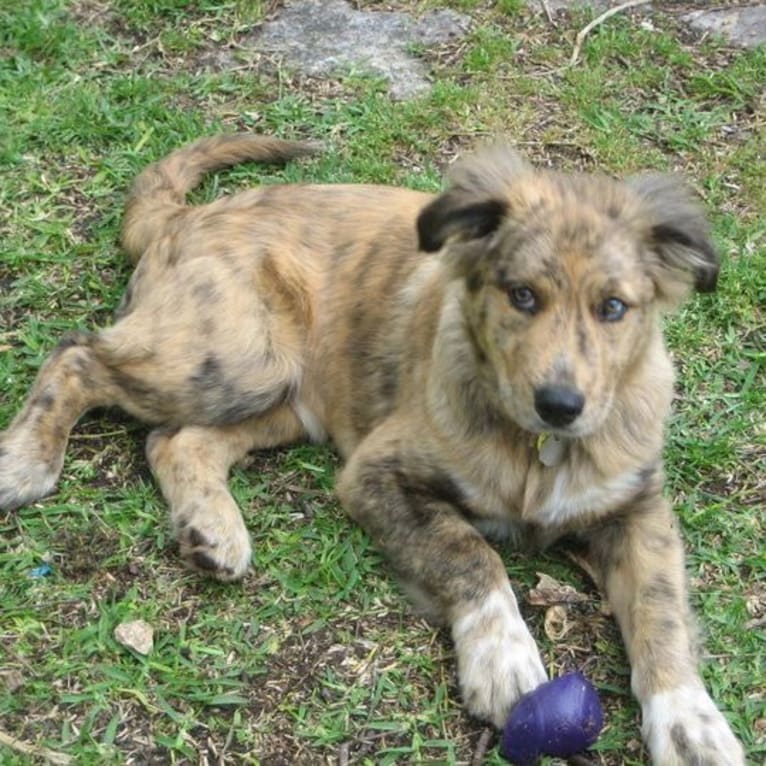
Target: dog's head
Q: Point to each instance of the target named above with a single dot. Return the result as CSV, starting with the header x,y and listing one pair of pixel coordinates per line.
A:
x,y
565,276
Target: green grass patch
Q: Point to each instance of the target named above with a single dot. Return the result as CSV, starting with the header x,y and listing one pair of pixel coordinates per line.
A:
x,y
316,656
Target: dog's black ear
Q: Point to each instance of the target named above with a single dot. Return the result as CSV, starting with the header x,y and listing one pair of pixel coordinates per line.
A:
x,y
678,233
680,247
455,214
477,199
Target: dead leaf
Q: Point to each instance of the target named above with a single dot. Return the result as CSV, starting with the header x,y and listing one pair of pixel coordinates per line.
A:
x,y
755,600
137,635
557,623
549,591
13,680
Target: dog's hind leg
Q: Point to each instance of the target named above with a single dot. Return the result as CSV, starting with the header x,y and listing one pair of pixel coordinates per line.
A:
x,y
192,464
71,381
171,359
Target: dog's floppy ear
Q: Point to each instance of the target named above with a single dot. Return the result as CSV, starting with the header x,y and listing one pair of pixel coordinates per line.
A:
x,y
678,234
477,200
456,214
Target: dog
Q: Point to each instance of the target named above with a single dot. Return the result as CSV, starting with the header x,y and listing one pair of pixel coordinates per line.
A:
x,y
488,361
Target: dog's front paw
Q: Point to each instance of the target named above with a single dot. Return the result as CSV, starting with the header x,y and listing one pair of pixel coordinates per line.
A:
x,y
25,473
213,538
683,727
498,660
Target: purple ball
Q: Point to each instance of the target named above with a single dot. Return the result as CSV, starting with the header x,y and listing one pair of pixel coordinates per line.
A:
x,y
561,718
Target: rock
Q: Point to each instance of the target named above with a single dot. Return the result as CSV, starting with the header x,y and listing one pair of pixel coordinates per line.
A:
x,y
325,37
745,27
330,37
137,635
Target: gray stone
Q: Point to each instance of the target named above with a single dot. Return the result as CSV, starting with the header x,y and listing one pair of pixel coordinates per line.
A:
x,y
137,635
745,27
325,37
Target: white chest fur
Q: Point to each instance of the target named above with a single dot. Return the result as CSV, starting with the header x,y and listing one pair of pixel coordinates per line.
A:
x,y
527,490
557,496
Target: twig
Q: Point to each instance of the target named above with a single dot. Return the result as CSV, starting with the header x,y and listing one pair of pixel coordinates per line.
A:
x,y
60,759
547,10
585,31
481,747
102,435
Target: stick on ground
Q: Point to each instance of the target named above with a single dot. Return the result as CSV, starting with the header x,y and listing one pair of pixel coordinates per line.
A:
x,y
51,756
585,31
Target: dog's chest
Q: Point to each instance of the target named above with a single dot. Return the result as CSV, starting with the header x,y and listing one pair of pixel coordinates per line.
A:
x,y
562,495
527,490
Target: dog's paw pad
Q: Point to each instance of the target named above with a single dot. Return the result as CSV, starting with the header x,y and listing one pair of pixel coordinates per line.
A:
x,y
215,544
207,563
196,538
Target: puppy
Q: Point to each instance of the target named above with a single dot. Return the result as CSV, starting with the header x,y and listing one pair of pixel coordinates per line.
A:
x,y
487,361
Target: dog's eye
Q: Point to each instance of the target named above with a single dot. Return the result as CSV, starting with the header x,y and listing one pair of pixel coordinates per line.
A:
x,y
524,299
611,310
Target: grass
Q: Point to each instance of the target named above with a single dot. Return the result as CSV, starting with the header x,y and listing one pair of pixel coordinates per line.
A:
x,y
315,657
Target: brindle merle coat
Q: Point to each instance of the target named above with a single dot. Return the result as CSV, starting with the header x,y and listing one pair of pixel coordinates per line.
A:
x,y
488,360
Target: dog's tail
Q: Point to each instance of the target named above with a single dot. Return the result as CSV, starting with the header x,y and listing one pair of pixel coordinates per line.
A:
x,y
158,192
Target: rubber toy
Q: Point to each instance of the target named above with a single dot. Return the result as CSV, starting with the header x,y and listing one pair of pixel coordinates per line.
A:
x,y
561,718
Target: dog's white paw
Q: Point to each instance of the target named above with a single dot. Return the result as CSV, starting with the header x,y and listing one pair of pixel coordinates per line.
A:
x,y
25,474
683,727
497,658
212,536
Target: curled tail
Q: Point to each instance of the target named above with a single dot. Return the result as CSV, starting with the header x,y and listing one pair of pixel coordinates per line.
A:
x,y
158,192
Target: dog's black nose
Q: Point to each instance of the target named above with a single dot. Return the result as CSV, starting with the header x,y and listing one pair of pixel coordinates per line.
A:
x,y
558,405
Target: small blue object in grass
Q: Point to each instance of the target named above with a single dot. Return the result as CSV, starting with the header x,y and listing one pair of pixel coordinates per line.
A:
x,y
42,571
561,718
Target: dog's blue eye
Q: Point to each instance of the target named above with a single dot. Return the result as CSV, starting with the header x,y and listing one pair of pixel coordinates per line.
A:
x,y
611,310
524,299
